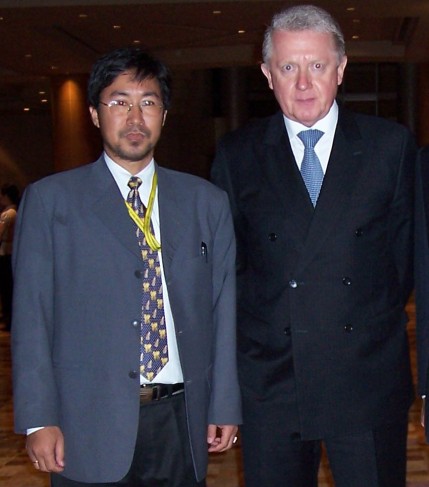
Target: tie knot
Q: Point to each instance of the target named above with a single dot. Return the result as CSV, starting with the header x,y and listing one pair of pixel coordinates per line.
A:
x,y
134,182
310,137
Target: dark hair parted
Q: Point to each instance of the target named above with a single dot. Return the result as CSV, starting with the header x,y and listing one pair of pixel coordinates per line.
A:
x,y
132,59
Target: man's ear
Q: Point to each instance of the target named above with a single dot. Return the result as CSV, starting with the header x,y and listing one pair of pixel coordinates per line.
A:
x,y
266,70
94,116
340,70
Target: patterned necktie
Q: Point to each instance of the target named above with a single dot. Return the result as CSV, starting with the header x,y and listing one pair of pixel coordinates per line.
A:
x,y
153,340
311,169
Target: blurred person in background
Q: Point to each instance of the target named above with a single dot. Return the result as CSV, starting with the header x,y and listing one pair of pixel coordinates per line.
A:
x,y
9,201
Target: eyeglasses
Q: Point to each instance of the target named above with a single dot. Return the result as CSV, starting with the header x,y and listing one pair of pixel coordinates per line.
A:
x,y
121,107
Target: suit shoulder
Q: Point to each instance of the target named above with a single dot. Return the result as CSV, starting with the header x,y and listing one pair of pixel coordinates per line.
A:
x,y
189,183
377,126
64,177
252,130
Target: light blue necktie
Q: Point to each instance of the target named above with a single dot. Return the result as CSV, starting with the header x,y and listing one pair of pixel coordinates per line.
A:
x,y
311,169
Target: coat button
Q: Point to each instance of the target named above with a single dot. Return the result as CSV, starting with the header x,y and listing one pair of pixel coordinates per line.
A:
x,y
347,281
293,284
348,328
133,374
358,232
286,331
138,274
135,323
272,237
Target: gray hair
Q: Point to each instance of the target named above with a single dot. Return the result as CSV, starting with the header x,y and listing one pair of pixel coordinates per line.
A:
x,y
304,17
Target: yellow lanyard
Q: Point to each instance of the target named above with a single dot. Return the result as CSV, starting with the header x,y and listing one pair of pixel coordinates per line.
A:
x,y
144,223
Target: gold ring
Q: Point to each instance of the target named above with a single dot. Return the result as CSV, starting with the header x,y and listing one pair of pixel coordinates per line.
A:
x,y
36,461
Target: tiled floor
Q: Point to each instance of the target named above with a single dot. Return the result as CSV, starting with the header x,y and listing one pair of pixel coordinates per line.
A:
x,y
224,469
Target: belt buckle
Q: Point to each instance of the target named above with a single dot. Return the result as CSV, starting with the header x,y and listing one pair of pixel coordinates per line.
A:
x,y
156,392
146,394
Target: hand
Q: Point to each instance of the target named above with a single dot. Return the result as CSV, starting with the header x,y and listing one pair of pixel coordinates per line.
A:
x,y
45,448
220,437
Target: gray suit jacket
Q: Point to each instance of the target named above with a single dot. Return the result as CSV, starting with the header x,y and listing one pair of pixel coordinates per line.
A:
x,y
77,294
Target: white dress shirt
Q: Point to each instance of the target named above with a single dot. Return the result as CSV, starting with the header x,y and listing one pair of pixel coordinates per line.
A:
x,y
171,373
327,125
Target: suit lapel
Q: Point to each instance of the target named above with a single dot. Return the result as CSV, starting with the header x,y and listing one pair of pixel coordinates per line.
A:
x,y
108,205
344,165
279,166
171,218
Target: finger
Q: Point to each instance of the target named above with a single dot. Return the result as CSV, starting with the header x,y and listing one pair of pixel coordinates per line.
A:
x,y
219,444
227,438
59,453
42,465
48,464
211,433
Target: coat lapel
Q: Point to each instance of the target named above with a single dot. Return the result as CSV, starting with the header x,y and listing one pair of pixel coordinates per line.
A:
x,y
171,218
344,166
279,166
109,207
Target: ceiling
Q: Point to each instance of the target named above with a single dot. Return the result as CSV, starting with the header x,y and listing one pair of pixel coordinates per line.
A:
x,y
40,39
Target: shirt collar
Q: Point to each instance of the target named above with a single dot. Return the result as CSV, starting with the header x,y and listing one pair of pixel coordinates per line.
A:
x,y
327,124
122,176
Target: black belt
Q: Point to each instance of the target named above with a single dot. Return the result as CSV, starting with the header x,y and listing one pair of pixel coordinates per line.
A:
x,y
156,392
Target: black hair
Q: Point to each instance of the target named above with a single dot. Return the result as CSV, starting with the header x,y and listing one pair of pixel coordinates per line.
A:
x,y
133,59
11,191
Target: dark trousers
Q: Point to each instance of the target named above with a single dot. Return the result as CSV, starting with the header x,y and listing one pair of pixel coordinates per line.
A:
x,y
374,458
6,285
162,456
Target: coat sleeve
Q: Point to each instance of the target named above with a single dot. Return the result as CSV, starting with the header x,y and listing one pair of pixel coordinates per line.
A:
x,y
401,224
421,269
225,402
35,395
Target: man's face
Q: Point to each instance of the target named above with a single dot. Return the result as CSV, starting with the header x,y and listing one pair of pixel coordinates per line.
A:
x,y
304,72
129,138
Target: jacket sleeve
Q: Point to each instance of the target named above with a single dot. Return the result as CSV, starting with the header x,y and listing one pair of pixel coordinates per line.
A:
x,y
421,269
35,395
225,402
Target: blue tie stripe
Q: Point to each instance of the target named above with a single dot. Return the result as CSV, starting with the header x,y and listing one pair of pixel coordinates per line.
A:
x,y
311,169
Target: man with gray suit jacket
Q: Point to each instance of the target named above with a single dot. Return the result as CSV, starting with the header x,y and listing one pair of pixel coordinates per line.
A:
x,y
124,326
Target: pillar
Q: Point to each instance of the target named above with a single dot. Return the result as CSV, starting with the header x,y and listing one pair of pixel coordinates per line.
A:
x,y
75,140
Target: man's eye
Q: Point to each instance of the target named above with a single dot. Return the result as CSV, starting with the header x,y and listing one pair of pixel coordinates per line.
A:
x,y
287,67
147,103
118,103
318,66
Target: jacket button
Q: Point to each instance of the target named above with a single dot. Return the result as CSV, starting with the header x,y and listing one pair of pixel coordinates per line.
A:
x,y
286,331
135,323
272,237
133,374
293,284
358,232
347,281
348,328
138,274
